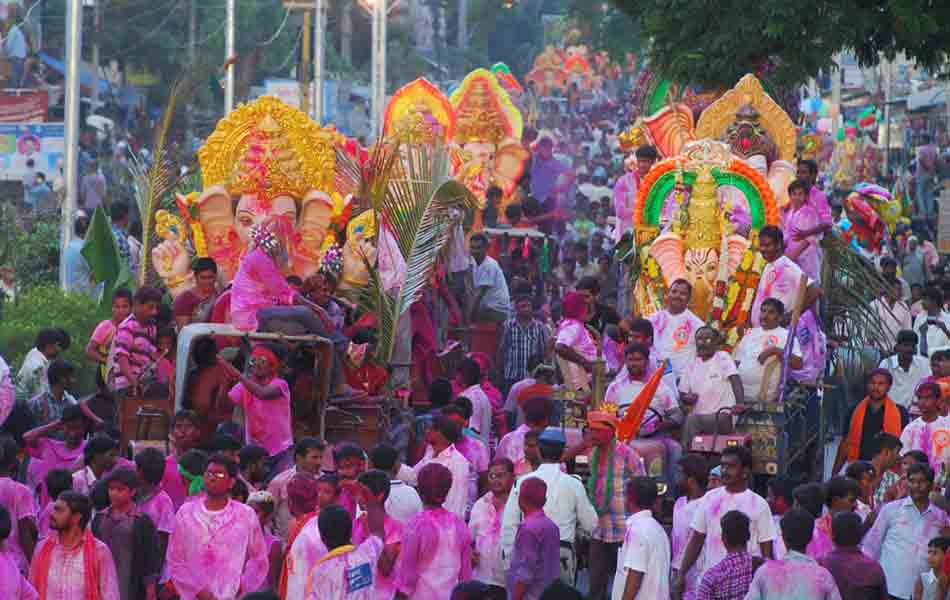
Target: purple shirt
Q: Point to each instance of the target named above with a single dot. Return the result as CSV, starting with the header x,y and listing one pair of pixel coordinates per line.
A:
x,y
728,580
858,576
536,559
258,284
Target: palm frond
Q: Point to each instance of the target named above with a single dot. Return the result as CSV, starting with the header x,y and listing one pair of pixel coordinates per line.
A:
x,y
155,182
851,283
411,193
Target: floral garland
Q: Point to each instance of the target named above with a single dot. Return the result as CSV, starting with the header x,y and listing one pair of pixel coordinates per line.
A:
x,y
604,508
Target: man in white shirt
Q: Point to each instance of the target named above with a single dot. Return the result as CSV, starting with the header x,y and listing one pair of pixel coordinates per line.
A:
x,y
489,289
734,494
441,438
781,279
674,328
710,385
481,421
892,312
31,379
761,346
907,368
933,324
643,565
567,503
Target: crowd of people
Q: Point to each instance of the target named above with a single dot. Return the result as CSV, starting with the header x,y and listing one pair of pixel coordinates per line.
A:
x,y
490,494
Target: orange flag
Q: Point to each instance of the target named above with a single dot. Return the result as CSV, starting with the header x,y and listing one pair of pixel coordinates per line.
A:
x,y
633,418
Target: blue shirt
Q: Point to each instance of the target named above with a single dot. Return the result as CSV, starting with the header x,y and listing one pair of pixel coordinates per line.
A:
x,y
899,542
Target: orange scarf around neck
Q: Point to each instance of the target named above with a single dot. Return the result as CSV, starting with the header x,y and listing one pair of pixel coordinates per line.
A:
x,y
44,563
892,425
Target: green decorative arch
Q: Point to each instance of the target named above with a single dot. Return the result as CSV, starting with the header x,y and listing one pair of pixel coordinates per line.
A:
x,y
665,184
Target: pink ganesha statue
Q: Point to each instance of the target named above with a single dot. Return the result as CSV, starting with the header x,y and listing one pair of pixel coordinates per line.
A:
x,y
265,159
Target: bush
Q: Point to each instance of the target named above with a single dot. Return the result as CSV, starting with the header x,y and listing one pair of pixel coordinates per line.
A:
x,y
47,306
33,251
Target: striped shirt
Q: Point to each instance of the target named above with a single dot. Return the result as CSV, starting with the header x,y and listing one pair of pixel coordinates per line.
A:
x,y
519,344
136,342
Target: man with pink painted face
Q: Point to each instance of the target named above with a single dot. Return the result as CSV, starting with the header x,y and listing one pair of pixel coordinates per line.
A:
x,y
706,528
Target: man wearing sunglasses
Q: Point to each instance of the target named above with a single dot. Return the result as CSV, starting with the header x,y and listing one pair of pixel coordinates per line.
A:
x,y
217,549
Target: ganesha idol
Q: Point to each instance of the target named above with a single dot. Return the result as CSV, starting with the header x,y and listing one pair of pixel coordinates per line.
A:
x,y
487,136
754,126
264,160
688,228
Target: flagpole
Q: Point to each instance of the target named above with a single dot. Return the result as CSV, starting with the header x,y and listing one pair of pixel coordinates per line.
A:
x,y
71,125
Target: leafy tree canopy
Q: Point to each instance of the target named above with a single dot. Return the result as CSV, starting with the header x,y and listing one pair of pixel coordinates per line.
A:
x,y
715,43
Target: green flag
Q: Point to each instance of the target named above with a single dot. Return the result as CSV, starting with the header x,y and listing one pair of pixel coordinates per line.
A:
x,y
102,254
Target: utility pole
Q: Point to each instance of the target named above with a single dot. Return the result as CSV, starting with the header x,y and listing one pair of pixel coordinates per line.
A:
x,y
463,25
379,64
71,123
229,44
96,29
319,52
303,74
192,60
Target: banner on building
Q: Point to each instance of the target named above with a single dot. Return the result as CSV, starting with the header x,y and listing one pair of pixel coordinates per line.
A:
x,y
42,142
23,106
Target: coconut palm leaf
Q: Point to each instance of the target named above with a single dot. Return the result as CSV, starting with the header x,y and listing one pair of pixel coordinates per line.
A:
x,y
153,183
851,283
413,195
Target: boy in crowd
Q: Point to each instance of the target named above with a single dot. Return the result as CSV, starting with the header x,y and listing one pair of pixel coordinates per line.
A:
x,y
731,577
436,544
644,558
377,483
932,584
151,499
131,537
308,458
535,559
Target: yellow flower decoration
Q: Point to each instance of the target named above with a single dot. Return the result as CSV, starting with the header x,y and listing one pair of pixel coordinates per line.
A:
x,y
170,226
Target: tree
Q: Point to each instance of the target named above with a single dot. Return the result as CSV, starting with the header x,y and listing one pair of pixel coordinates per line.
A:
x,y
715,43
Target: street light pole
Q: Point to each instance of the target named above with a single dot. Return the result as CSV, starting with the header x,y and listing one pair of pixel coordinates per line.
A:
x,y
71,122
319,51
379,65
228,55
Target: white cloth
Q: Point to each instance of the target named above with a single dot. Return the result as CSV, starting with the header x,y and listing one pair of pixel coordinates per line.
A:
x,y
781,279
906,382
755,342
308,548
14,45
709,379
567,505
457,500
489,274
485,524
936,338
403,502
920,435
683,512
645,549
718,502
892,318
674,336
34,361
350,576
